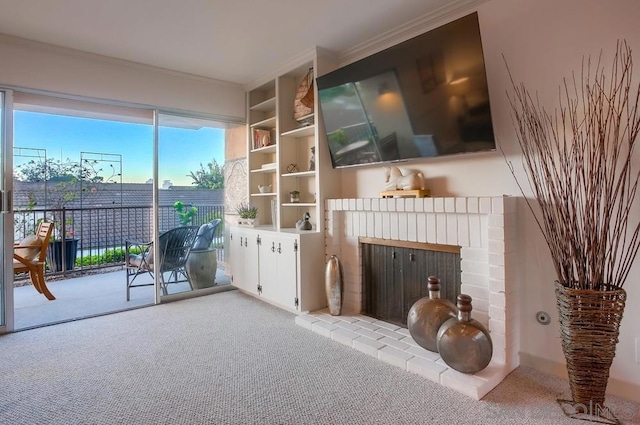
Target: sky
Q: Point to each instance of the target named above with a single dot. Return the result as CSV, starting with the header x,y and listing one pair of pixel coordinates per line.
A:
x,y
180,150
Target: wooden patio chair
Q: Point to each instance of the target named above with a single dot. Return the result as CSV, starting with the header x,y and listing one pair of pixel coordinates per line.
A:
x,y
29,257
175,246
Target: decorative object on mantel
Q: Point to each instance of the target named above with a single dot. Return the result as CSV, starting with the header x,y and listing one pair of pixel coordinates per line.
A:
x,y
464,343
248,214
263,188
304,223
395,180
312,159
580,166
294,196
333,285
304,100
427,315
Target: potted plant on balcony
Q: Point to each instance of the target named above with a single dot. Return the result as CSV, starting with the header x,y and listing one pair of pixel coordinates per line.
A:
x,y
583,174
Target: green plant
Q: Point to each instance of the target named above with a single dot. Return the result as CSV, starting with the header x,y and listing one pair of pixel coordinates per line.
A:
x,y
210,178
185,215
247,210
294,193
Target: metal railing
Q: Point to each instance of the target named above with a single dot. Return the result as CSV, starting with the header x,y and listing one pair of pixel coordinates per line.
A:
x,y
101,232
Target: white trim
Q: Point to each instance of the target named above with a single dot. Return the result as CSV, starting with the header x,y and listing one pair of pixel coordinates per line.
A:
x,y
452,10
616,387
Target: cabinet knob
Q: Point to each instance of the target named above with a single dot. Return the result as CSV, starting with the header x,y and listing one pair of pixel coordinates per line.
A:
x,y
273,247
279,248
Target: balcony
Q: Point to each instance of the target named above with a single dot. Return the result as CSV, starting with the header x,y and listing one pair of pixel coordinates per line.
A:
x,y
94,283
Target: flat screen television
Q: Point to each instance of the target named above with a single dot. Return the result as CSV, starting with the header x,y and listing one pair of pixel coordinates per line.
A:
x,y
424,97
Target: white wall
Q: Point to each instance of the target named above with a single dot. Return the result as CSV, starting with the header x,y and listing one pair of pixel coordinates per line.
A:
x,y
542,41
39,66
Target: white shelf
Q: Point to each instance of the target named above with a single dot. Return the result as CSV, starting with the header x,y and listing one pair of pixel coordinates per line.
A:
x,y
268,123
300,174
264,194
299,204
264,170
300,132
265,149
267,105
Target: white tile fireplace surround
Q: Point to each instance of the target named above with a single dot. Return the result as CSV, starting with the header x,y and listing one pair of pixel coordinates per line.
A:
x,y
483,227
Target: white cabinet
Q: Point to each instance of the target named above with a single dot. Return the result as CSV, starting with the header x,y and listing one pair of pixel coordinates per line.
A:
x,y
283,268
244,258
278,269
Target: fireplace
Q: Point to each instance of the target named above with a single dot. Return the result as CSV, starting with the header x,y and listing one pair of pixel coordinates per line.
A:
x,y
482,228
394,276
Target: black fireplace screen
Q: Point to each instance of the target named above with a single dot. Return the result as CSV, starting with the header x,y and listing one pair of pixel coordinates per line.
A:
x,y
393,278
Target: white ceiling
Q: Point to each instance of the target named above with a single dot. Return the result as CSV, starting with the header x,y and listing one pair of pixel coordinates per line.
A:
x,y
231,40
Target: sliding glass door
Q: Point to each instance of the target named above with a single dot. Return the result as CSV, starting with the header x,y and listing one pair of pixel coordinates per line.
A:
x,y
189,188
6,225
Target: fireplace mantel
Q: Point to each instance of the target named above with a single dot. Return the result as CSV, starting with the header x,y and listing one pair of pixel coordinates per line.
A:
x,y
483,228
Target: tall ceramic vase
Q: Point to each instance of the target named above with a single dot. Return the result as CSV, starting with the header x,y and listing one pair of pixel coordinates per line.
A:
x,y
333,285
589,328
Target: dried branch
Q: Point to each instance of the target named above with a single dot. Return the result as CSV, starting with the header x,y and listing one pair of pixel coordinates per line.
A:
x,y
578,164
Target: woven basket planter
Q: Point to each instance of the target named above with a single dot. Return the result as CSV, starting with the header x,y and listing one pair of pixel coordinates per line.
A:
x,y
589,328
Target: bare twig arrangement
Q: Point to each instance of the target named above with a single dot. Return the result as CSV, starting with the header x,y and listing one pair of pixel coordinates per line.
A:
x,y
579,164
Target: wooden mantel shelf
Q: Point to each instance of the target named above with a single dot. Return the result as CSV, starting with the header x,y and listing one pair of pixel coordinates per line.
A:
x,y
417,193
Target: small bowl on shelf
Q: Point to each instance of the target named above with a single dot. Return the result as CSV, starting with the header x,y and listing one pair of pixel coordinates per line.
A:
x,y
264,188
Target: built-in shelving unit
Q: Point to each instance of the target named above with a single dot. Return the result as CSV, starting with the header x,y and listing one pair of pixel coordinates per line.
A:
x,y
275,261
285,164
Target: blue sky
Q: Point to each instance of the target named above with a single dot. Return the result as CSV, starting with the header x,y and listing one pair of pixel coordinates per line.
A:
x,y
181,150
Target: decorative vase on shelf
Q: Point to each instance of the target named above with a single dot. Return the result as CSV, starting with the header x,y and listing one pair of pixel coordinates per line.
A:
x,y
312,159
428,314
464,343
295,197
333,285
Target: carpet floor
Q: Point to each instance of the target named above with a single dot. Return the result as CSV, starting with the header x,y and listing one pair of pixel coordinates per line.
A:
x,y
231,359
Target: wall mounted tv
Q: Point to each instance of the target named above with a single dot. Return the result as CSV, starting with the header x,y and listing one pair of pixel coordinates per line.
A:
x,y
424,97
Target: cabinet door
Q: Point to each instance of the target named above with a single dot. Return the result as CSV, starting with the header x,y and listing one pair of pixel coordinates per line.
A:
x,y
279,269
244,259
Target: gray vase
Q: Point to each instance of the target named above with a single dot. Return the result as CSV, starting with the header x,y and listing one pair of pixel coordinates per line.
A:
x,y
333,285
427,315
464,344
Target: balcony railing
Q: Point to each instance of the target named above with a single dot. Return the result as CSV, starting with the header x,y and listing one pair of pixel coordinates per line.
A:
x,y
101,231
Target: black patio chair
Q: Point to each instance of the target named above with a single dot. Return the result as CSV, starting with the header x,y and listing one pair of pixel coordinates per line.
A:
x,y
175,245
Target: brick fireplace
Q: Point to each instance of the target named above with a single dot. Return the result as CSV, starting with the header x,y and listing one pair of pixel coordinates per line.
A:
x,y
483,228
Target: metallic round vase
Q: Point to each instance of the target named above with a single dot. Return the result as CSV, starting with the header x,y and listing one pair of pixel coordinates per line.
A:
x,y
333,285
427,315
464,343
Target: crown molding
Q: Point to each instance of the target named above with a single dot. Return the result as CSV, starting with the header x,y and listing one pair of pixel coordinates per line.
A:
x,y
442,15
65,51
303,58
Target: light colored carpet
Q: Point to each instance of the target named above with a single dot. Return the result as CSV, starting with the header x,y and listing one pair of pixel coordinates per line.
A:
x,y
231,359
